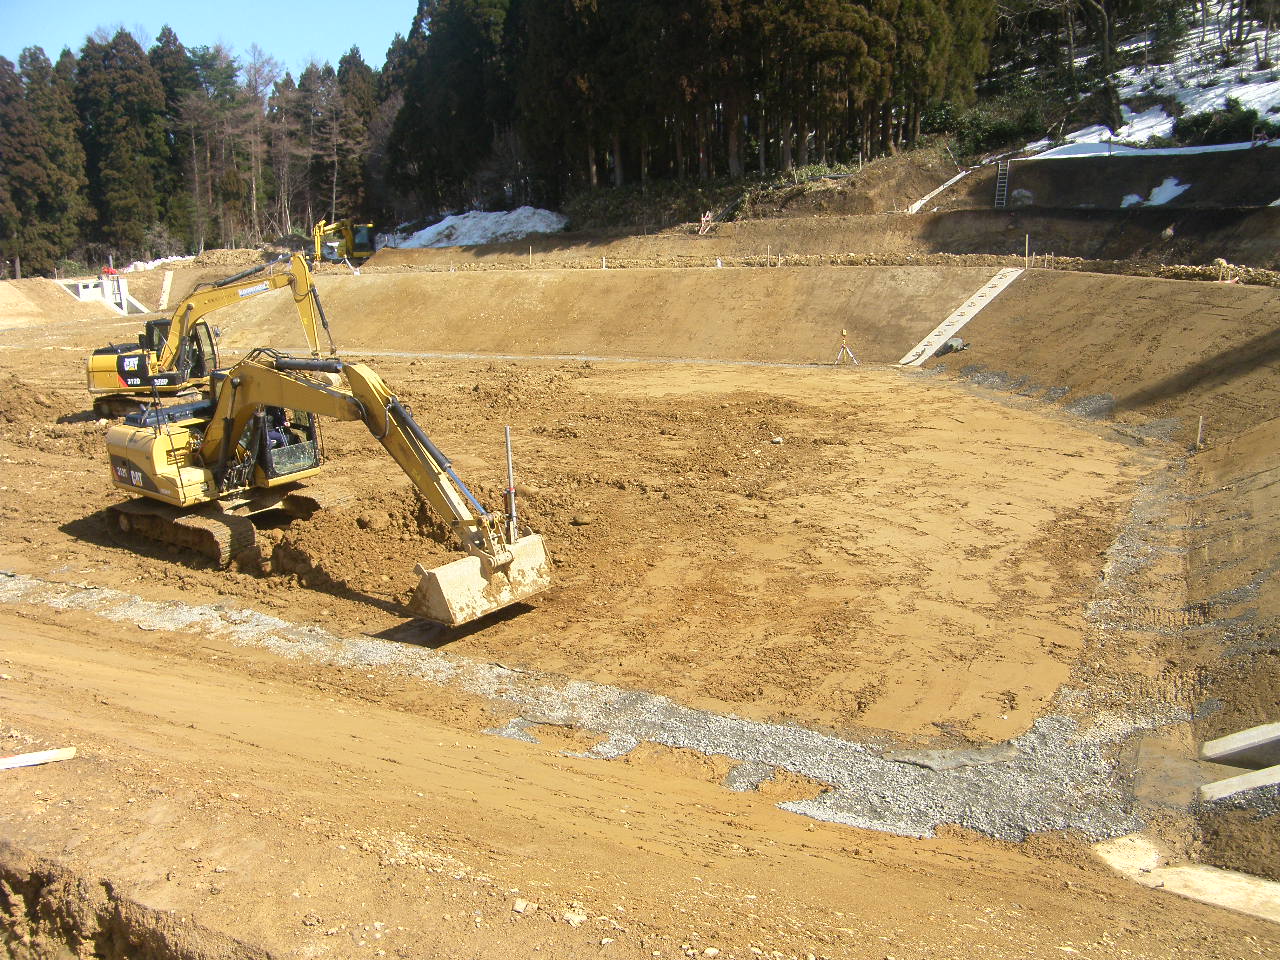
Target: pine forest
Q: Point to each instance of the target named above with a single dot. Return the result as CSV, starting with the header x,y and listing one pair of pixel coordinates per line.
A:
x,y
120,149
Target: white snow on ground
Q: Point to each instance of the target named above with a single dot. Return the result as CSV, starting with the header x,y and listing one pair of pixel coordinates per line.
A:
x,y
1106,149
1159,196
1195,78
477,227
1167,191
150,264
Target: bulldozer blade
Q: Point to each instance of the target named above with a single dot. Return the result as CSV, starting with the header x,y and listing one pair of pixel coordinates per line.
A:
x,y
459,592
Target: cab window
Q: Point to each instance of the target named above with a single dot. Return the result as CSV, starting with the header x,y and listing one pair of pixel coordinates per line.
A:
x,y
204,355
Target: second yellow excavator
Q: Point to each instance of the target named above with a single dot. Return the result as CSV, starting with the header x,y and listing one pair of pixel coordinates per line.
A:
x,y
342,240
205,471
177,353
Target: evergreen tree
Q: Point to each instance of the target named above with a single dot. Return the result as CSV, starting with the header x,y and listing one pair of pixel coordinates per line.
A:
x,y
177,74
260,74
383,202
457,99
24,179
212,135
63,210
121,105
286,152
358,99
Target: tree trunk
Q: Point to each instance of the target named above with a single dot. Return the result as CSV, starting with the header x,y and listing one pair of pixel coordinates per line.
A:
x,y
761,137
1104,35
1071,49
802,136
592,176
704,165
197,221
735,144
785,134
617,159
679,152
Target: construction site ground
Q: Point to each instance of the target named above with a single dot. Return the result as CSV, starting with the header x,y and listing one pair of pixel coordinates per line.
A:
x,y
840,660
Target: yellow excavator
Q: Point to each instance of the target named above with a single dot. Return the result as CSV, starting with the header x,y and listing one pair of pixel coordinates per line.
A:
x,y
178,353
342,240
206,470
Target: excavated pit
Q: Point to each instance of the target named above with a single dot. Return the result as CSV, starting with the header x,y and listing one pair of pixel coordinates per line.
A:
x,y
925,583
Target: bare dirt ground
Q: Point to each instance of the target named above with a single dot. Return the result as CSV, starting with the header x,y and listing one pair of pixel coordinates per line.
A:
x,y
1142,236
845,559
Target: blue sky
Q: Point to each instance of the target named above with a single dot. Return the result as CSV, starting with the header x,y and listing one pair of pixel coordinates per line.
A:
x,y
293,33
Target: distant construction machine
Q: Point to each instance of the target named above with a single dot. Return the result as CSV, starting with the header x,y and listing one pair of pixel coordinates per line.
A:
x,y
178,353
206,470
342,240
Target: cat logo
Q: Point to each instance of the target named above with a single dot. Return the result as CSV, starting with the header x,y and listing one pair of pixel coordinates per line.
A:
x,y
129,363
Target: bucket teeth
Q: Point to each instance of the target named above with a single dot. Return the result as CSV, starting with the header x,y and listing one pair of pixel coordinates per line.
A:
x,y
461,591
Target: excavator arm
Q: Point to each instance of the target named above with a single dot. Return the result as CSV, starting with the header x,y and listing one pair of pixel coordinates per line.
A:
x,y
501,567
243,286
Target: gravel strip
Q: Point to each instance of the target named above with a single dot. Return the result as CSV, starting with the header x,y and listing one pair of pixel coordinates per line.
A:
x,y
1054,777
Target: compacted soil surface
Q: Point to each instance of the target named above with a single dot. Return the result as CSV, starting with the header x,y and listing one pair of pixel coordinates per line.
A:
x,y
839,660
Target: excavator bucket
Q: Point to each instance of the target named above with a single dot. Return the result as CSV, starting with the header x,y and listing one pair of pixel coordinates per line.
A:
x,y
459,592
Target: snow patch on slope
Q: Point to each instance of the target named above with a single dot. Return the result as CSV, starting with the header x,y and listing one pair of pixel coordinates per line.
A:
x,y
1195,78
480,227
150,264
1161,195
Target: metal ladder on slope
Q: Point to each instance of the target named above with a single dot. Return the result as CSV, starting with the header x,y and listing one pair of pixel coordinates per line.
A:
x,y
1002,184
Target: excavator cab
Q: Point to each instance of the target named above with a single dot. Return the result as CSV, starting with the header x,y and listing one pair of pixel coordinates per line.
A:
x,y
362,240
155,335
342,240
198,354
290,442
277,445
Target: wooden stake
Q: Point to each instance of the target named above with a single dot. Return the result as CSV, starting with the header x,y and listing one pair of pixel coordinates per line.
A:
x,y
1026,252
1200,433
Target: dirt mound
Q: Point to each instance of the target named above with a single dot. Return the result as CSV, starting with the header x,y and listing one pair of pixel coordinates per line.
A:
x,y
1160,348
21,403
885,185
232,257
37,300
1152,235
